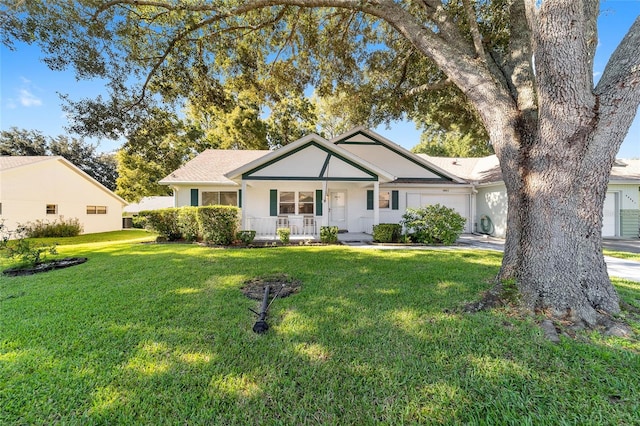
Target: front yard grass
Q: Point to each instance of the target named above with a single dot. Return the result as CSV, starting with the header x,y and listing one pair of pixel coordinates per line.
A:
x,y
161,334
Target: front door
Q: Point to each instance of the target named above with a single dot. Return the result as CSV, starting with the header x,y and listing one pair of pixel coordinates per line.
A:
x,y
338,209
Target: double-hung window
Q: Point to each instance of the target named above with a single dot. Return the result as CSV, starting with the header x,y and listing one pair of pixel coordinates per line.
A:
x,y
296,202
384,200
52,209
219,198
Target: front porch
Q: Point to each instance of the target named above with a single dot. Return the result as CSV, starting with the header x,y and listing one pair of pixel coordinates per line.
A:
x,y
304,228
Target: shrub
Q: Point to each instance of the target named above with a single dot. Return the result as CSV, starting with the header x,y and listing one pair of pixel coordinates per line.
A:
x,y
57,228
284,234
219,224
434,224
387,232
188,223
246,237
139,222
28,252
164,222
329,234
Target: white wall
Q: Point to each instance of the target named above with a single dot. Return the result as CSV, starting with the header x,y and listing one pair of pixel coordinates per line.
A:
x,y
491,201
25,191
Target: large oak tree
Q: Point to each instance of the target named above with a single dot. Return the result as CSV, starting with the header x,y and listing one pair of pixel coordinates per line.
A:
x,y
525,66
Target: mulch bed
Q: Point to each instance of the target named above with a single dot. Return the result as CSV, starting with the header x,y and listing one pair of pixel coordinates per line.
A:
x,y
285,284
44,266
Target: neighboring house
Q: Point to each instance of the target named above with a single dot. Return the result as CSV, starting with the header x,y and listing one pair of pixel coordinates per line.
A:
x,y
360,179
149,203
50,188
353,182
621,213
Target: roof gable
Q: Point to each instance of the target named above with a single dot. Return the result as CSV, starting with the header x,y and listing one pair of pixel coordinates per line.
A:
x,y
310,158
398,161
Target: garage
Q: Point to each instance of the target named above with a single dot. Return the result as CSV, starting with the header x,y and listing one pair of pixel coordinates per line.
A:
x,y
461,203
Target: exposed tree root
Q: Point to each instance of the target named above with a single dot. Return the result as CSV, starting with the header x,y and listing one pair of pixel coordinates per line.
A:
x,y
554,326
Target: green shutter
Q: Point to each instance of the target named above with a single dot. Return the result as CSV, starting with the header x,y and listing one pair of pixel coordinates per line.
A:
x,y
318,202
194,197
394,200
370,199
240,198
273,202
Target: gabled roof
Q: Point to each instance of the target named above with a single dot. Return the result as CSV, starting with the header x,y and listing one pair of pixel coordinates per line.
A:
x,y
326,156
411,169
11,161
8,162
486,170
211,165
624,171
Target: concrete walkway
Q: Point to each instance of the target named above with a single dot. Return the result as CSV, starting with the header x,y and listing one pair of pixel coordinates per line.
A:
x,y
621,268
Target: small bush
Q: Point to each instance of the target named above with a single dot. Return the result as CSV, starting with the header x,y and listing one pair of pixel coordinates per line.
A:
x,y
329,234
246,237
434,224
219,224
14,245
284,234
188,223
164,222
57,228
387,232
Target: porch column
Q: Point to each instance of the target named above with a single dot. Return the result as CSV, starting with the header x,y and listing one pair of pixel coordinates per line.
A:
x,y
243,201
376,203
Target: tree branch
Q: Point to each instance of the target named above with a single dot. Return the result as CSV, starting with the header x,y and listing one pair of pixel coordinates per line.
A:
x,y
473,26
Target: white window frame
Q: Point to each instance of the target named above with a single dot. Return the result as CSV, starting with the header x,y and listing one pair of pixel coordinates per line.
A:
x,y
297,203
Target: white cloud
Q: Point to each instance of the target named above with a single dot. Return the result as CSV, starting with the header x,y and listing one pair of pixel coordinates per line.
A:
x,y
28,99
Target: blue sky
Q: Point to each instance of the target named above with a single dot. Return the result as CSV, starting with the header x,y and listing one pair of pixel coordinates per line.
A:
x,y
29,90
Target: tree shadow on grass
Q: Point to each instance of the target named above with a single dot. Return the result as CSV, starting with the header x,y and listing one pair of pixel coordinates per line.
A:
x,y
163,335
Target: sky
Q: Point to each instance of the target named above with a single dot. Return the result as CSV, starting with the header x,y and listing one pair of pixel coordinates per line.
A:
x,y
29,90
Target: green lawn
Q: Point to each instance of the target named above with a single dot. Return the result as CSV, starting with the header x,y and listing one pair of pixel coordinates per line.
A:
x,y
622,255
161,334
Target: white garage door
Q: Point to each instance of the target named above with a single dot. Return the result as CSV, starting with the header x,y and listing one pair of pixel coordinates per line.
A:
x,y
609,215
458,202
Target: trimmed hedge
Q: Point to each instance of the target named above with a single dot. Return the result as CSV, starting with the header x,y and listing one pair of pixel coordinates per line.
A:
x,y
387,232
219,224
329,234
188,223
164,222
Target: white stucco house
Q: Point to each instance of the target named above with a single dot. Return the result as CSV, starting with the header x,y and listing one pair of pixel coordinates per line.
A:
x,y
49,188
355,181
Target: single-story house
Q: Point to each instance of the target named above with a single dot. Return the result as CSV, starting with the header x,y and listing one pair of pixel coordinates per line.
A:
x,y
354,181
49,188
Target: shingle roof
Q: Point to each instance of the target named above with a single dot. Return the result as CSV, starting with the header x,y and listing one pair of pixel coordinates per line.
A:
x,y
211,165
11,161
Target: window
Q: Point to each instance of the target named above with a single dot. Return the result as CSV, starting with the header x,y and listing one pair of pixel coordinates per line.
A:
x,y
287,202
384,200
52,209
292,202
223,198
96,209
